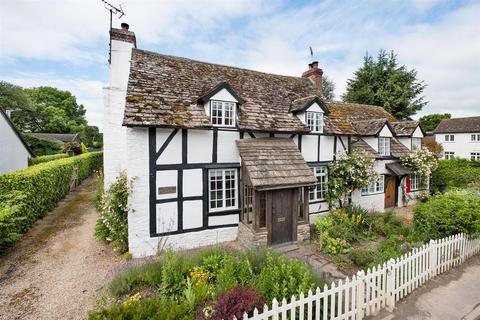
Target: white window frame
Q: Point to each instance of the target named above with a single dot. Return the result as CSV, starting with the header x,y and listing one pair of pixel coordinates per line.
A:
x,y
415,182
377,186
223,106
322,182
448,155
449,138
417,145
222,173
384,146
475,155
475,137
314,121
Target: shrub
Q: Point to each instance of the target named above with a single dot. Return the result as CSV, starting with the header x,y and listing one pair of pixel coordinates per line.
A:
x,y
41,159
112,223
235,303
446,214
41,147
363,258
456,173
37,189
72,147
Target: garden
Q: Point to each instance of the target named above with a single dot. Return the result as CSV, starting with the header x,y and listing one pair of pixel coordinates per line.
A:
x,y
206,284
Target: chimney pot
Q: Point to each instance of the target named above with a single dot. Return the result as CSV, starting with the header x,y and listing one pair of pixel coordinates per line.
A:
x,y
315,75
125,26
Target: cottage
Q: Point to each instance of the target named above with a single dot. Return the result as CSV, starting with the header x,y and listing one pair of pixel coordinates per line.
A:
x,y
221,153
459,137
14,152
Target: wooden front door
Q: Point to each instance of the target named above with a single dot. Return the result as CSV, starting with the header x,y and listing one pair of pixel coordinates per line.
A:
x,y
390,192
283,211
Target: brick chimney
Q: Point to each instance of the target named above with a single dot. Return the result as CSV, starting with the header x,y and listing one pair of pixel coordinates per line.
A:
x,y
315,75
123,34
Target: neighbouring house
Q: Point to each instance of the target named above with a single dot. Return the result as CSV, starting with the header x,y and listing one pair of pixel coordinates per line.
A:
x,y
460,137
14,152
220,153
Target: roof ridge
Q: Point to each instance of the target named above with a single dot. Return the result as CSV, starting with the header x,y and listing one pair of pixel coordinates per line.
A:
x,y
217,64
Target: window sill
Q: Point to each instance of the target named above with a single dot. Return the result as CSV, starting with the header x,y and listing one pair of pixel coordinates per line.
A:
x,y
316,201
372,194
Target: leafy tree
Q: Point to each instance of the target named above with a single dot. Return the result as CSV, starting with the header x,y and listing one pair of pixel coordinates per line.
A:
x,y
431,121
328,88
14,98
384,83
91,136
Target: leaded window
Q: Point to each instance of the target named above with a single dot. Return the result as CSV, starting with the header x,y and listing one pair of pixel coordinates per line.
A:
x,y
319,191
376,186
222,113
222,189
384,146
315,121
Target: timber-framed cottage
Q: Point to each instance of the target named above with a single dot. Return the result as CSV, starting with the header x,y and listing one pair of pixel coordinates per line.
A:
x,y
222,153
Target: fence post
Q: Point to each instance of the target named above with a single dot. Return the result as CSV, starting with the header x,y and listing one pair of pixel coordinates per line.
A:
x,y
360,294
433,258
390,287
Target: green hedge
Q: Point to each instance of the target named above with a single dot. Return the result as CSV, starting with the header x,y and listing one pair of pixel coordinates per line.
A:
x,y
41,159
456,173
27,195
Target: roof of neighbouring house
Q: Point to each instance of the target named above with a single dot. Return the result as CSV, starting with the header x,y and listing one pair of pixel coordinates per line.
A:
x,y
15,130
274,162
405,128
56,137
459,125
164,91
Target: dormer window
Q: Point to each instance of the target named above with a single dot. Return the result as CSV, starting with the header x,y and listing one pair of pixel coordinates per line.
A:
x,y
384,146
222,113
315,121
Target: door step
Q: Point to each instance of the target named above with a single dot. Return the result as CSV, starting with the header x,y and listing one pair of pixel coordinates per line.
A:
x,y
285,247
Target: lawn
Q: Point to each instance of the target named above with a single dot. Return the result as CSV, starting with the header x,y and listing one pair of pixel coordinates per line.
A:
x,y
213,284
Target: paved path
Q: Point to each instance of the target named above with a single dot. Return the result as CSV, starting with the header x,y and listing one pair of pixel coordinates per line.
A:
x,y
450,296
56,270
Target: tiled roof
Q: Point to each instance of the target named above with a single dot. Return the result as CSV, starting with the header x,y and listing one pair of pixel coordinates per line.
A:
x,y
163,91
359,144
274,162
404,128
300,103
397,148
398,169
459,125
369,127
56,137
342,116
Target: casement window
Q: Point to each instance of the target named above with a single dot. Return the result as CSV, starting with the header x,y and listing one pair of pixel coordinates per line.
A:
x,y
475,138
247,204
474,155
222,189
315,121
319,191
222,113
449,155
384,146
449,138
376,186
416,143
415,182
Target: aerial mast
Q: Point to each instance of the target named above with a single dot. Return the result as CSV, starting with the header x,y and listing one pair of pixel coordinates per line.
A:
x,y
113,10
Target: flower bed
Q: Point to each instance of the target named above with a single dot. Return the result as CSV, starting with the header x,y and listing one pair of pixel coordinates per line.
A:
x,y
212,284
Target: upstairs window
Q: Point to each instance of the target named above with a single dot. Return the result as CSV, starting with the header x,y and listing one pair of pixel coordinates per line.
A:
x,y
416,143
319,191
222,113
314,121
384,146
449,138
475,138
376,186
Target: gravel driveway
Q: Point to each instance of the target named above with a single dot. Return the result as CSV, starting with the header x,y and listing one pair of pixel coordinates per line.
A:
x,y
57,269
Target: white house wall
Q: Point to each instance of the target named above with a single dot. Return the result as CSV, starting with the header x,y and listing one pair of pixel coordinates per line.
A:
x,y
418,133
13,154
385,132
227,150
462,146
406,141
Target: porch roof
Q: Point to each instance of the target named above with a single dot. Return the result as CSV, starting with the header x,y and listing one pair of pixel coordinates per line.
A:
x,y
397,168
273,163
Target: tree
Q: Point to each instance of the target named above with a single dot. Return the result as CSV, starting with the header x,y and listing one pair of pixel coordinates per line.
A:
x,y
14,98
328,88
431,121
91,136
384,83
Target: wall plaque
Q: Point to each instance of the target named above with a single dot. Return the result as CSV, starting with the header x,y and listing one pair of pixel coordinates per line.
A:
x,y
167,190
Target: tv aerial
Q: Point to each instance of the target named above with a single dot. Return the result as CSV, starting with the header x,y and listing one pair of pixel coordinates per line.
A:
x,y
114,10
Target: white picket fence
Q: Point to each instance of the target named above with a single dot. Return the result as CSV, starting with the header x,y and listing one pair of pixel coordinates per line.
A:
x,y
368,292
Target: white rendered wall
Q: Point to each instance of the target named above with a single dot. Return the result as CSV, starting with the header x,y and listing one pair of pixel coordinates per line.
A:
x,y
418,133
227,150
173,153
114,134
406,141
462,146
385,132
13,155
374,202
372,142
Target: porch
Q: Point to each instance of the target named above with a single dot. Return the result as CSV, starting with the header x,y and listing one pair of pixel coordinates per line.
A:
x,y
274,192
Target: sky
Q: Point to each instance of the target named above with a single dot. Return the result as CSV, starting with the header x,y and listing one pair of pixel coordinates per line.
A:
x,y
64,43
